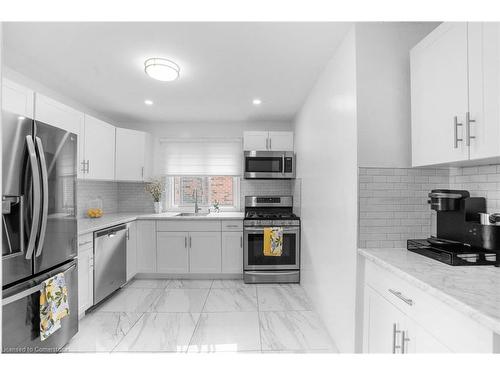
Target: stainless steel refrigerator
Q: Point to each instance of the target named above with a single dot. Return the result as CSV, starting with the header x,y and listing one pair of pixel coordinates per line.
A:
x,y
39,229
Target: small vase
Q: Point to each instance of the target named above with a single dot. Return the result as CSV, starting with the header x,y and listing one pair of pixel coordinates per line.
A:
x,y
158,207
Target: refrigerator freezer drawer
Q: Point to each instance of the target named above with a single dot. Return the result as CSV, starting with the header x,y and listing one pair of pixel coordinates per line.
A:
x,y
21,315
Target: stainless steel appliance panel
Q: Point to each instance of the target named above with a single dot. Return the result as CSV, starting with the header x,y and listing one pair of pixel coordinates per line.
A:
x,y
20,186
110,256
259,277
57,154
269,164
21,315
253,255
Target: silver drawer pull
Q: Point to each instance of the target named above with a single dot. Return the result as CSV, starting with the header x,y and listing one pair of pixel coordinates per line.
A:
x,y
232,226
401,297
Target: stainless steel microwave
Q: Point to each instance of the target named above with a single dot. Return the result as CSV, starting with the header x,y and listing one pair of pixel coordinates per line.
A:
x,y
269,164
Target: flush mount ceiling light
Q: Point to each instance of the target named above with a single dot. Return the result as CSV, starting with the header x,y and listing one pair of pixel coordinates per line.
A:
x,y
162,69
256,101
148,102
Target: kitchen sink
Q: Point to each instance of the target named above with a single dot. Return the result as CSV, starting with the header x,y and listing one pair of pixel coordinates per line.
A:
x,y
192,214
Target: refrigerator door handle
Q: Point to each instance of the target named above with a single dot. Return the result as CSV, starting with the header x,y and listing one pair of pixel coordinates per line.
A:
x,y
45,195
28,292
36,196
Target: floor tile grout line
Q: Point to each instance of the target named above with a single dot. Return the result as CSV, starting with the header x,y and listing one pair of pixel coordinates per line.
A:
x,y
258,317
199,318
125,335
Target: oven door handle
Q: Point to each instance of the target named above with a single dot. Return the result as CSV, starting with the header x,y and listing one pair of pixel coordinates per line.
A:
x,y
285,230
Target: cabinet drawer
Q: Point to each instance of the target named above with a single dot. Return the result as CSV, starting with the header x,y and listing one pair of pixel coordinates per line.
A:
x,y
232,225
449,326
188,226
86,240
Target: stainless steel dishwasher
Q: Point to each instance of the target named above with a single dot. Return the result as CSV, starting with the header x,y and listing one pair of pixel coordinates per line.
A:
x,y
110,261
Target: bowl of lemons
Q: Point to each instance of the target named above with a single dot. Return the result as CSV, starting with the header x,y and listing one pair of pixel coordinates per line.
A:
x,y
94,213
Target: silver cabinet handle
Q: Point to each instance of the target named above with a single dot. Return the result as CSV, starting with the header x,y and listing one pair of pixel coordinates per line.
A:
x,y
45,196
185,242
270,144
267,143
190,242
241,242
232,226
142,173
128,234
88,166
395,332
404,340
468,121
456,124
398,294
37,196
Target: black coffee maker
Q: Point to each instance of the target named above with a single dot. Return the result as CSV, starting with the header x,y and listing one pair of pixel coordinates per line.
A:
x,y
461,239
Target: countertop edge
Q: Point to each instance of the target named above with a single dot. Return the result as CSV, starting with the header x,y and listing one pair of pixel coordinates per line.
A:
x,y
140,216
481,318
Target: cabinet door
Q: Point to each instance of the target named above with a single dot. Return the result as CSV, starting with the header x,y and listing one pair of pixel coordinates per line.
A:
x,y
130,155
17,99
232,252
281,141
484,89
256,141
146,246
423,342
383,324
204,252
172,253
131,250
439,93
99,149
85,279
52,112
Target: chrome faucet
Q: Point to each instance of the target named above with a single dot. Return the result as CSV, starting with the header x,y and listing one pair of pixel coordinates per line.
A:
x,y
195,195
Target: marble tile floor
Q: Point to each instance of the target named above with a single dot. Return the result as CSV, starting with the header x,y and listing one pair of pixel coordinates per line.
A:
x,y
203,316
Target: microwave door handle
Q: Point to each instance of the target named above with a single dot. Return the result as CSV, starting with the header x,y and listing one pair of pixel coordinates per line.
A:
x,y
45,196
36,196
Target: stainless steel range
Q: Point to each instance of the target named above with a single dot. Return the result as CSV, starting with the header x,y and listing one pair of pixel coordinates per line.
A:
x,y
270,211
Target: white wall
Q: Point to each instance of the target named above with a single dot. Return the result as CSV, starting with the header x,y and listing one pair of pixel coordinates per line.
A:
x,y
383,90
325,141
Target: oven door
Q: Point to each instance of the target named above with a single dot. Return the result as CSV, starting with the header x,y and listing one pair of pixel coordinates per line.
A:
x,y
269,164
253,250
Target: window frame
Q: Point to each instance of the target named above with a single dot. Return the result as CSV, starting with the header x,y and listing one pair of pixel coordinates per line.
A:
x,y
189,207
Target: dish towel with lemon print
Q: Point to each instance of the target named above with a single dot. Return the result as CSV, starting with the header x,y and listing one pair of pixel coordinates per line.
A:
x,y
273,241
53,305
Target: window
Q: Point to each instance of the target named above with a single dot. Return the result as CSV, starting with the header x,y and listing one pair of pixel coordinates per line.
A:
x,y
223,189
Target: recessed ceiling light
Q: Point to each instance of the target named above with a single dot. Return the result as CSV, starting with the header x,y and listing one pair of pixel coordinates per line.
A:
x,y
257,101
148,102
162,69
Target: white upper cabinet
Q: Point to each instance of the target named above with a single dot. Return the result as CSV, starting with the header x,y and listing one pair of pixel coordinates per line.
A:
x,y
268,141
484,89
281,141
255,141
17,99
130,155
99,149
439,96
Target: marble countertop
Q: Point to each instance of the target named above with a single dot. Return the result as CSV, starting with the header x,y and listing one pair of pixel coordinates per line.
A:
x,y
87,225
473,290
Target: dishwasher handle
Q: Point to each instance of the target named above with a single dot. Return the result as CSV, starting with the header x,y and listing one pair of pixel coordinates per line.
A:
x,y
110,232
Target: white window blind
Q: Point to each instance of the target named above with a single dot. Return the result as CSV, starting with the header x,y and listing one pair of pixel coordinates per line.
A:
x,y
201,157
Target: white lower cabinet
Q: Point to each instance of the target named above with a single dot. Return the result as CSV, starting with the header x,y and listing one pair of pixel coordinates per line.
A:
x,y
232,252
131,250
85,274
204,252
400,318
146,246
172,254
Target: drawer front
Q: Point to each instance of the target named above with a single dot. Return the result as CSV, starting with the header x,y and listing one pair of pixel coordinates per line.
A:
x,y
232,225
85,241
452,328
188,225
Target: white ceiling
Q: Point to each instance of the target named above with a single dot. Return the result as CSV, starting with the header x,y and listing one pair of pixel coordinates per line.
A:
x,y
223,66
